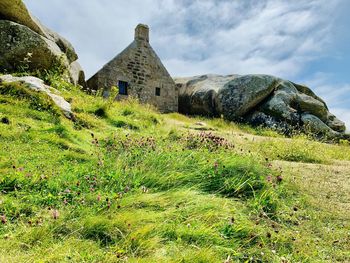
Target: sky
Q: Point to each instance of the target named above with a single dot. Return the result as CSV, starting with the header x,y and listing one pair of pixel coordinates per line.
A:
x,y
305,41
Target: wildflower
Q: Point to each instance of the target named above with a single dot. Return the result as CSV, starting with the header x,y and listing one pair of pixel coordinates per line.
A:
x,y
108,203
55,214
279,178
216,167
39,222
144,189
231,221
98,198
42,177
3,219
65,201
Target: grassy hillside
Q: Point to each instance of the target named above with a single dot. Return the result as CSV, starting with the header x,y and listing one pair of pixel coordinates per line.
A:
x,y
123,183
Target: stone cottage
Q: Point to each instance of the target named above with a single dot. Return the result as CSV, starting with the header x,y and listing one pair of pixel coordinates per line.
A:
x,y
137,71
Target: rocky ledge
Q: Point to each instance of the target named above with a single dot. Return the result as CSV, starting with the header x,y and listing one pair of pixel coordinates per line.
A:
x,y
38,85
26,44
258,100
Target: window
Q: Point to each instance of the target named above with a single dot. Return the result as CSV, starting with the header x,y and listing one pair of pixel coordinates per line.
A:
x,y
157,91
123,87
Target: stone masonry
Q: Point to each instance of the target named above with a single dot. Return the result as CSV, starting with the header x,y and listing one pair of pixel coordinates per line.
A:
x,y
138,72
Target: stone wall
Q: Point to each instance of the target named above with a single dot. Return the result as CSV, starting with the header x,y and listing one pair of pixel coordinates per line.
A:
x,y
140,66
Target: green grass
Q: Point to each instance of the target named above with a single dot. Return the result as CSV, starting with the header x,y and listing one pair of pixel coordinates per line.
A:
x,y
123,183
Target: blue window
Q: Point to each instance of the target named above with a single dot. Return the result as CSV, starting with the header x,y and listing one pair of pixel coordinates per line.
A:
x,y
157,91
123,87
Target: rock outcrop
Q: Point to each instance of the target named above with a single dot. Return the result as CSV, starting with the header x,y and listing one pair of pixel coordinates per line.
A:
x,y
27,44
39,86
258,99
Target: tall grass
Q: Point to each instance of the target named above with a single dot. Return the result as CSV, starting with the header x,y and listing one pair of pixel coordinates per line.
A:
x,y
124,183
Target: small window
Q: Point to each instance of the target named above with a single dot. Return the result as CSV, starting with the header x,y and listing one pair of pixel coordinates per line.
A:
x,y
157,91
123,87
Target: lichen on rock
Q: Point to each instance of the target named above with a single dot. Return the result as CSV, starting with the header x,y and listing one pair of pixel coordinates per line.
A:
x,y
260,100
38,85
22,34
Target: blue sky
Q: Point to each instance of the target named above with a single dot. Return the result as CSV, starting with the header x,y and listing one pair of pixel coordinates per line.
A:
x,y
306,41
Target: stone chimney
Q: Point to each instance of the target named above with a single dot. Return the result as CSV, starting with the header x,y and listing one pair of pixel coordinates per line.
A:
x,y
142,32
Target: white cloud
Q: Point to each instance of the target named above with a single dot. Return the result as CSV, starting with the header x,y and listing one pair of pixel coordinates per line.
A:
x,y
196,37
205,36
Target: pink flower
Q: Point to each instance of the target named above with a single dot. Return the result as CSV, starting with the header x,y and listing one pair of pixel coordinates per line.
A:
x,y
216,165
3,219
279,178
55,214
